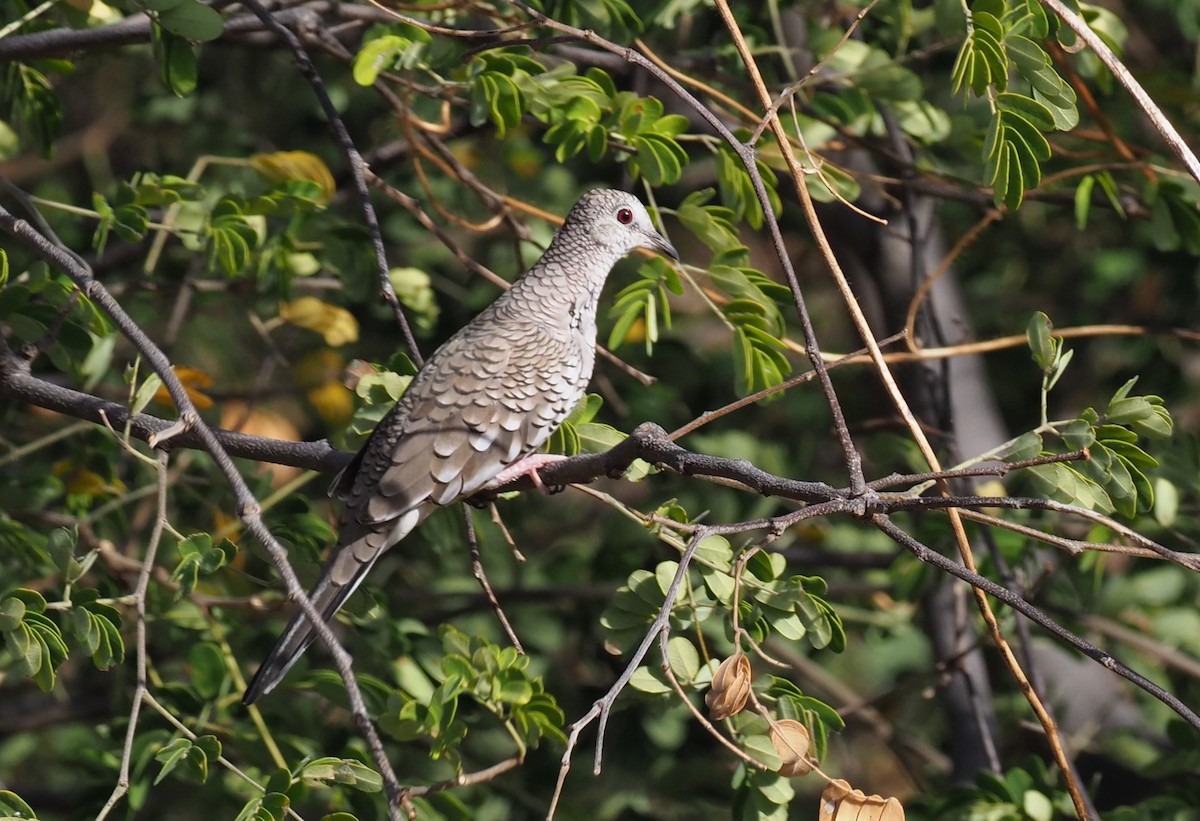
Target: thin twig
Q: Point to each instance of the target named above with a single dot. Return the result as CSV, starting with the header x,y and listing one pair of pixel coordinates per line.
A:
x,y
603,707
481,577
139,596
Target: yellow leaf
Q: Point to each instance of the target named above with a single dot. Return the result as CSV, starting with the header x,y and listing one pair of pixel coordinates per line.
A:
x,y
231,526
194,382
317,367
269,424
333,402
281,166
636,332
80,481
337,325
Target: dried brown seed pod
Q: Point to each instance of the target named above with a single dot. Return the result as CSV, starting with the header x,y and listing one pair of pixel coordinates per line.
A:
x,y
730,687
839,802
791,740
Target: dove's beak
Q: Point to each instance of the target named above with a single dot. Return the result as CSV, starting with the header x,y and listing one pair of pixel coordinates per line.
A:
x,y
659,243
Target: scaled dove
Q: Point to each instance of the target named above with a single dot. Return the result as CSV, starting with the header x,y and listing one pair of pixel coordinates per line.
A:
x,y
483,403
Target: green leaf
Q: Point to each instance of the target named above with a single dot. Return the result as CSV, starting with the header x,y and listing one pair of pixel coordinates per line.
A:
x,y
759,360
819,628
1041,343
205,748
512,687
206,664
891,83
495,93
390,51
1010,178
790,627
61,547
1078,434
34,601
192,20
172,755
35,111
1037,806
598,438
1083,200
719,584
12,613
1132,454
1166,502
754,296
1111,473
97,627
683,658
1069,485
1037,146
1128,411
1027,57
715,552
922,120
763,750
1062,106
11,806
1026,446
1109,186
646,300
737,189
272,806
230,237
712,224
766,566
659,159
324,772
1157,424
631,312
23,644
1026,109
651,681
176,58
199,556
41,645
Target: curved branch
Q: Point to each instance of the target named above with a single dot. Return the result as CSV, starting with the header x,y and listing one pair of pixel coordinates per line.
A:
x,y
135,30
18,384
1034,614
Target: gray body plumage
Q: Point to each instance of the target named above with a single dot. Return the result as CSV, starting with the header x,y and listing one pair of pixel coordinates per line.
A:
x,y
490,396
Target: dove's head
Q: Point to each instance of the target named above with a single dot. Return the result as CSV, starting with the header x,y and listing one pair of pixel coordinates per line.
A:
x,y
617,222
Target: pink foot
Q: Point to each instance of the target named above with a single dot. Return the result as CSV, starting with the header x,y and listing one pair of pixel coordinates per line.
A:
x,y
527,467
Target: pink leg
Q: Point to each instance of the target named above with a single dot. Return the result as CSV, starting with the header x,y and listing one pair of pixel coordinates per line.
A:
x,y
526,467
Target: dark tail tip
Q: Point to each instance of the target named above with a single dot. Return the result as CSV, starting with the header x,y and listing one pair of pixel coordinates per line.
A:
x,y
257,688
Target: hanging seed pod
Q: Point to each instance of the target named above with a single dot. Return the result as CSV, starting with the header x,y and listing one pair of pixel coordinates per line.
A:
x,y
839,802
730,687
791,740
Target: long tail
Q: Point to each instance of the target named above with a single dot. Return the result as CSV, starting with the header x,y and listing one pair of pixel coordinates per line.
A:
x,y
344,573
